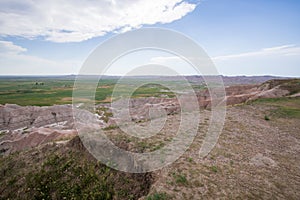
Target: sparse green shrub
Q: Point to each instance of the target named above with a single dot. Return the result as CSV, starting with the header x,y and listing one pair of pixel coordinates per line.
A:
x,y
214,168
180,179
267,118
62,178
104,113
110,127
157,196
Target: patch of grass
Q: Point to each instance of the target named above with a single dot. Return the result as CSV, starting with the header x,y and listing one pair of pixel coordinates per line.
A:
x,y
214,169
142,146
157,146
287,112
55,173
155,90
180,179
267,118
157,196
110,127
283,107
68,180
2,133
288,101
104,113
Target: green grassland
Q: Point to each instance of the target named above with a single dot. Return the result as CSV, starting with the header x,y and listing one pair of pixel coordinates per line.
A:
x,y
285,107
68,172
50,91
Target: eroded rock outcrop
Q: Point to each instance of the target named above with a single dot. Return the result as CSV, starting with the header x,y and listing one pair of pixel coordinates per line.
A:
x,y
17,140
13,116
31,125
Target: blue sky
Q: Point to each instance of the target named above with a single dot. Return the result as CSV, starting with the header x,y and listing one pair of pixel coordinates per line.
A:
x,y
243,37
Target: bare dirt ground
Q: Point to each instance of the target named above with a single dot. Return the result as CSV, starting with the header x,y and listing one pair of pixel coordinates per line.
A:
x,y
255,158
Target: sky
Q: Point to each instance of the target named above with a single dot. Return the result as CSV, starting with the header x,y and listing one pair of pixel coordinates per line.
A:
x,y
242,37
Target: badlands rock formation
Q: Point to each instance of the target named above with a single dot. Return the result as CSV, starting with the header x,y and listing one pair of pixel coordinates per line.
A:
x,y
31,126
14,117
19,140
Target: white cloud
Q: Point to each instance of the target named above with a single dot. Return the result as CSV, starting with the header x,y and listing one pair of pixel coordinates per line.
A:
x,y
165,59
13,60
280,60
78,20
8,47
285,50
180,65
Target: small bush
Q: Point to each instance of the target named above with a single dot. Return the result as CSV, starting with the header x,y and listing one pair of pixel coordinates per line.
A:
x,y
267,118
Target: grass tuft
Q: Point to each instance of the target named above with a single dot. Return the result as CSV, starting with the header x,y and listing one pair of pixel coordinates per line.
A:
x,y
157,196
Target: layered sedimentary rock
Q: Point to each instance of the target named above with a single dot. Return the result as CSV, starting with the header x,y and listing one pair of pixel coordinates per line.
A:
x,y
14,116
31,125
18,140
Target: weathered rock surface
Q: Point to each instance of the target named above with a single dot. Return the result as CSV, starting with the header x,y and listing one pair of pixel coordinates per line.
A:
x,y
31,125
17,141
147,108
243,93
13,116
260,160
